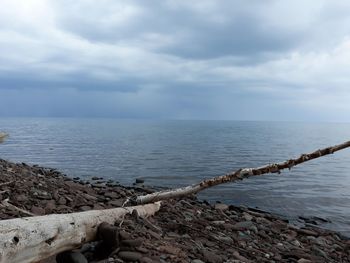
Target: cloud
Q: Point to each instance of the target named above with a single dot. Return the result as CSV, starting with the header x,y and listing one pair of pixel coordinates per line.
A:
x,y
170,59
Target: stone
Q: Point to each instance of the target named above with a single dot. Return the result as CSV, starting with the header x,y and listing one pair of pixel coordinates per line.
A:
x,y
37,210
146,260
62,201
211,257
85,208
243,225
116,203
111,195
124,235
197,261
139,181
221,207
132,242
130,255
71,257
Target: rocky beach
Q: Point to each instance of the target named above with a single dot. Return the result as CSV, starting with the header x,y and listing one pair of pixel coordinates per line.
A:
x,y
184,230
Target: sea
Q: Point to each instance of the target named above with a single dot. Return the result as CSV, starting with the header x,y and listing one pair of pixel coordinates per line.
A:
x,y
175,153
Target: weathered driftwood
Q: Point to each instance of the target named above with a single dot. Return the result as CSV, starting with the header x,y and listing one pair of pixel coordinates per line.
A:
x,y
3,136
237,175
33,239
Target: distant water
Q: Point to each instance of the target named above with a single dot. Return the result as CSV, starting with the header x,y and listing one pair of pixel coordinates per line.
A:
x,y
178,153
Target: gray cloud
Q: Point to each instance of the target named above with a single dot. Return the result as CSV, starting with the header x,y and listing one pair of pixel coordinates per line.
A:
x,y
172,59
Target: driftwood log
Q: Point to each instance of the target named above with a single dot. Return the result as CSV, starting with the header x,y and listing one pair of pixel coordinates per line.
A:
x,y
32,239
237,175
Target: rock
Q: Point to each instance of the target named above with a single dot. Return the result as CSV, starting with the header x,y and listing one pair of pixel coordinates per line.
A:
x,y
116,203
307,232
132,242
139,181
247,216
296,243
111,195
197,261
130,255
146,260
71,257
62,200
170,249
237,256
211,257
124,235
85,208
225,239
37,210
21,198
303,260
220,206
243,225
50,206
109,234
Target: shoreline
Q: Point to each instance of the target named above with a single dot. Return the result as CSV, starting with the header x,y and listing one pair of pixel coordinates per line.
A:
x,y
186,230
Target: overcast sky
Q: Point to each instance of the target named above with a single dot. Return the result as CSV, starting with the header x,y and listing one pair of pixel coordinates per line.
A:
x,y
240,60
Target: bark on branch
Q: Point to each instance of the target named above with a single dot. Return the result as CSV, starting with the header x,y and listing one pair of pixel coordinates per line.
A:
x,y
238,175
32,239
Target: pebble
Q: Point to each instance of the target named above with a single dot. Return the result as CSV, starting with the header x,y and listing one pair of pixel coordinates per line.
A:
x,y
243,225
220,206
130,255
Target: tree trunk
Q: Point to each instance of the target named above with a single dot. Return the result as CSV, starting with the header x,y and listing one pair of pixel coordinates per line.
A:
x,y
36,238
237,175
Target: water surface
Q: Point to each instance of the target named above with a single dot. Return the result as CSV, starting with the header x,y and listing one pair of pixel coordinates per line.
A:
x,y
178,153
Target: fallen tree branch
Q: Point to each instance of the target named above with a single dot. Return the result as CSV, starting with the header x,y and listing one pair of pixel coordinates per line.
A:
x,y
5,203
237,175
32,239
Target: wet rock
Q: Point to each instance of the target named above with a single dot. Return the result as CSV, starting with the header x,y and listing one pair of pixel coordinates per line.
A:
x,y
139,181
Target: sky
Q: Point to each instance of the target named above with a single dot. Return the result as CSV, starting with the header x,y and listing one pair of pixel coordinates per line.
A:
x,y
213,60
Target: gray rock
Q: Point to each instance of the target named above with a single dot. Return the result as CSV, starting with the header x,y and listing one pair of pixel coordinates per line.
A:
x,y
211,257
132,242
117,203
222,207
243,225
139,181
130,255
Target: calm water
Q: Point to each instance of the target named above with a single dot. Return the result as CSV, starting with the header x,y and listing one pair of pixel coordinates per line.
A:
x,y
178,153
